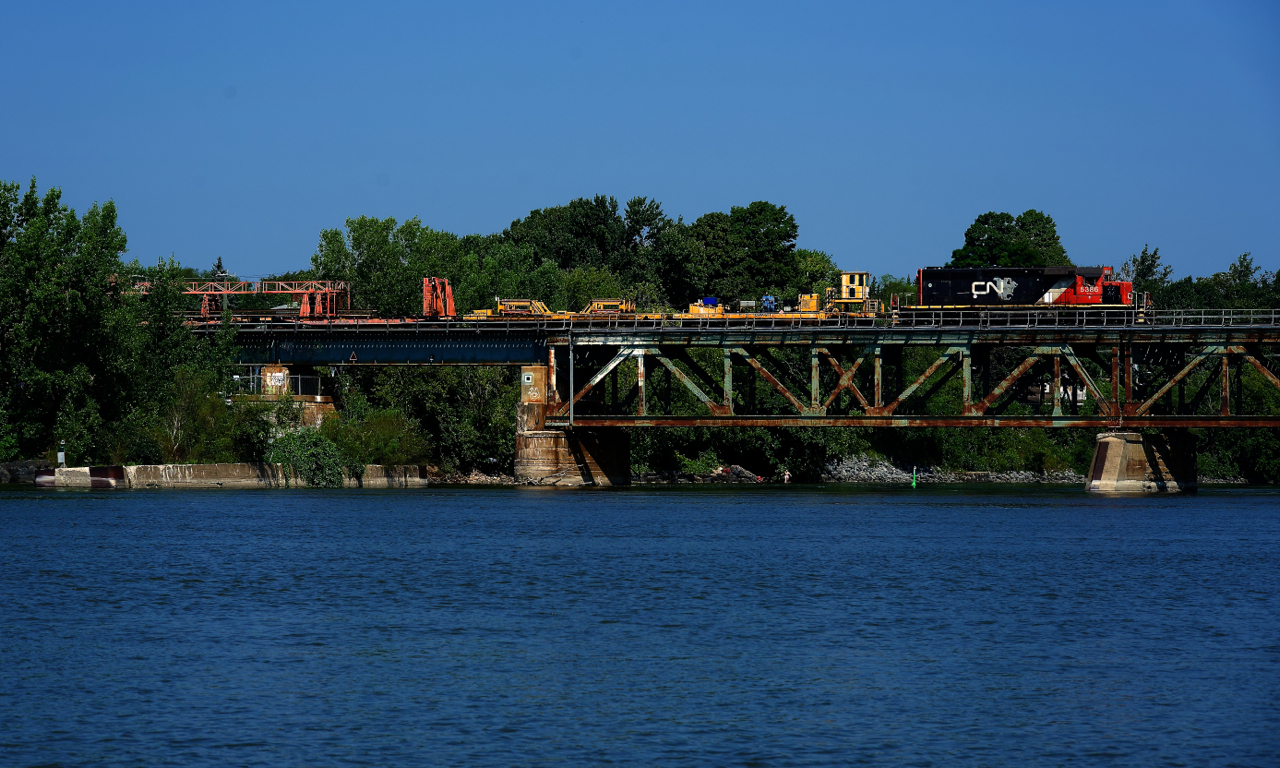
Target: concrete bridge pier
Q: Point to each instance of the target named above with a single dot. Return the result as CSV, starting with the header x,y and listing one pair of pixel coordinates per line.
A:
x,y
1129,462
569,457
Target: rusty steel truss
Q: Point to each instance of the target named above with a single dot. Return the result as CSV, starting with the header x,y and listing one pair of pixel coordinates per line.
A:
x,y
1129,381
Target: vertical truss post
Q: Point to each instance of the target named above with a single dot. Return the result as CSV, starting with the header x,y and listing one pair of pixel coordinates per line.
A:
x,y
572,399
1115,379
878,384
667,403
966,362
1239,377
553,394
1226,385
813,377
1128,376
1057,385
728,380
640,409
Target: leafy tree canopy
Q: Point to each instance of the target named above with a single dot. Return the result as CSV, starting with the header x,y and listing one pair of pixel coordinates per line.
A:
x,y
1243,285
1000,240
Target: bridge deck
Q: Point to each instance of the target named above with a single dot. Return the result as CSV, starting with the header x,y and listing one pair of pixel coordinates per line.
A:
x,y
522,341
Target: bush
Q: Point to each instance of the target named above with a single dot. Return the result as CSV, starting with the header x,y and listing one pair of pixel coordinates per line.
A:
x,y
369,436
309,454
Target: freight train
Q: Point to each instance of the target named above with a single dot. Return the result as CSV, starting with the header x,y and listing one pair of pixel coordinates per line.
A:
x,y
1018,289
937,288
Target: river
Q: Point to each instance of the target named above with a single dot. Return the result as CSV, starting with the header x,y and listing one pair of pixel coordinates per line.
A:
x,y
762,626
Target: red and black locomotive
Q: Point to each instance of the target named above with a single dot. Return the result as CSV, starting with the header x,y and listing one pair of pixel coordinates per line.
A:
x,y
1022,287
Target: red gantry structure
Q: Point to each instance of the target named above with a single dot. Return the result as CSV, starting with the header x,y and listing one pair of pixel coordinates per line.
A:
x,y
316,298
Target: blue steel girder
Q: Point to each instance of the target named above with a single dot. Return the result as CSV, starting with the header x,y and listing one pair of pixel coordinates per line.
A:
x,y
391,348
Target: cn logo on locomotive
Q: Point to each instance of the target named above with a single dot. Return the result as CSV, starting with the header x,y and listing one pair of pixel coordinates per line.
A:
x,y
1002,286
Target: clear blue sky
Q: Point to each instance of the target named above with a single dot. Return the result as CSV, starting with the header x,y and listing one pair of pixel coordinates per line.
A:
x,y
242,130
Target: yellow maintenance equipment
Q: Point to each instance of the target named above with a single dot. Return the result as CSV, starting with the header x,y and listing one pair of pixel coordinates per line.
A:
x,y
522,307
854,296
609,307
701,308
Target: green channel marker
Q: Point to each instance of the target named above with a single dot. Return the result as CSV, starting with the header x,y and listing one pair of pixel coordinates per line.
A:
x,y
913,476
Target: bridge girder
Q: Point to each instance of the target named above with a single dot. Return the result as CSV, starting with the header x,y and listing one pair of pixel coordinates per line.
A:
x,y
1114,372
1079,397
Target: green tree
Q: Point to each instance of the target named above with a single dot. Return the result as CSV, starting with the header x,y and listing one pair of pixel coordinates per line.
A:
x,y
816,271
1145,271
583,233
60,307
1000,240
743,254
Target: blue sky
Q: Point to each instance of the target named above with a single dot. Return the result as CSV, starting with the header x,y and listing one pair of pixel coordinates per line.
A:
x,y
241,131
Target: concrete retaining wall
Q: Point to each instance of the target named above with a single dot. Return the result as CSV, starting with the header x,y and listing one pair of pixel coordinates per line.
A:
x,y
217,476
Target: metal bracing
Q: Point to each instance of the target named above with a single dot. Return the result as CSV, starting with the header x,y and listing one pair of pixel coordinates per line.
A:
x,y
1138,395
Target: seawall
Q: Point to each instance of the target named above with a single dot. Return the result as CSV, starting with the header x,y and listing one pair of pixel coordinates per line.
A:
x,y
250,475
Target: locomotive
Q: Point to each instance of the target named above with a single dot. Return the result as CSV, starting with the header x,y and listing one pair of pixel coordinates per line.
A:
x,y
1021,287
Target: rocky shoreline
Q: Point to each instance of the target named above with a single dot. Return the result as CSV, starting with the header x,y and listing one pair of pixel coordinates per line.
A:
x,y
865,469
861,469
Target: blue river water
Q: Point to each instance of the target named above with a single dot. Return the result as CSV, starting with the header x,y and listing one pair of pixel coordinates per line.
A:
x,y
755,626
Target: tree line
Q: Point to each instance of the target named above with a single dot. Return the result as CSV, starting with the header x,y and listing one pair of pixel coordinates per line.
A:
x,y
117,376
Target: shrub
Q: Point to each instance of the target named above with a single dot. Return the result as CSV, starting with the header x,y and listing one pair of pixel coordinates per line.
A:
x,y
309,454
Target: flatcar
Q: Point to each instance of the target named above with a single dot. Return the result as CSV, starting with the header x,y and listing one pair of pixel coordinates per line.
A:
x,y
1021,287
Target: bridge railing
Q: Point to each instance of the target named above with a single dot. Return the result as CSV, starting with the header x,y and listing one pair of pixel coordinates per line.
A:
x,y
257,384
1087,318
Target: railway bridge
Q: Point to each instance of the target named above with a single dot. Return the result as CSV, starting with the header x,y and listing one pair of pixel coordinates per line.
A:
x,y
582,379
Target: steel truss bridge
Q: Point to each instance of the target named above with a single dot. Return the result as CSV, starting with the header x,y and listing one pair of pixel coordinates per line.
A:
x,y
1106,369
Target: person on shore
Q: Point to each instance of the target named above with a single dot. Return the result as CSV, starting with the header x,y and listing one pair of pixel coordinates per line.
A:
x,y
786,476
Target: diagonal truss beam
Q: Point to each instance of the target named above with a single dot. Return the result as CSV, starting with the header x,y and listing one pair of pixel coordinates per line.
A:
x,y
846,379
1262,369
716,409
1168,385
623,354
979,408
800,407
889,408
1090,386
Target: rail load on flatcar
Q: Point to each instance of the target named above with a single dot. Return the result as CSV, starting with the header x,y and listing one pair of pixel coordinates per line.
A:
x,y
1021,287
609,307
